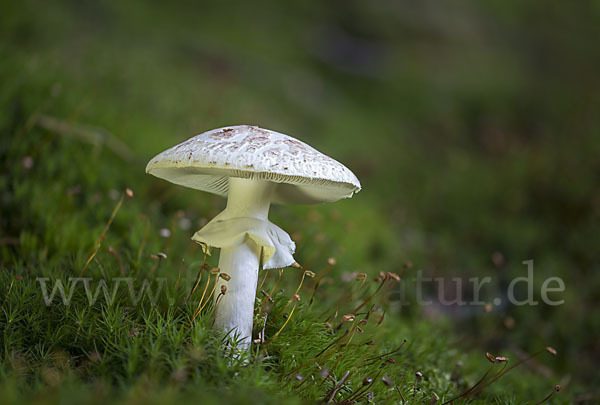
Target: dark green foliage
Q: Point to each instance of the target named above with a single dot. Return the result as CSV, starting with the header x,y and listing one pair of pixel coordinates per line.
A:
x,y
473,127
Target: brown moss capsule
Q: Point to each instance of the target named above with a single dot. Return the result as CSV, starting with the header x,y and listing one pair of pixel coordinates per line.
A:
x,y
387,381
267,296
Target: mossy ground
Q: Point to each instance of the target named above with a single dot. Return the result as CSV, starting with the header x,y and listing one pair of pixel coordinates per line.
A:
x,y
457,163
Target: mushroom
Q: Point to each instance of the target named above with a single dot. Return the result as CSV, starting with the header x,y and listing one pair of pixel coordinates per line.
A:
x,y
253,167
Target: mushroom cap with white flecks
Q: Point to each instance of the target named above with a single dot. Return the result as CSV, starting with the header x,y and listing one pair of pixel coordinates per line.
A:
x,y
303,174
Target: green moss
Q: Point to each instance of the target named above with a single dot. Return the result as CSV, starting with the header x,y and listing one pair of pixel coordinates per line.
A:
x,y
467,139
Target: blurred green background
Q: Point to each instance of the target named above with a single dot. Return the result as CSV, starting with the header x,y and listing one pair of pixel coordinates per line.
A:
x,y
473,127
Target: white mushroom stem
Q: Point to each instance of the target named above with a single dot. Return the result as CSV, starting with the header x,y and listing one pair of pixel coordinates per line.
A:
x,y
247,198
235,310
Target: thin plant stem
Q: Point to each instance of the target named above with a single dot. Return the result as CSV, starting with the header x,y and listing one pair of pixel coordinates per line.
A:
x,y
98,243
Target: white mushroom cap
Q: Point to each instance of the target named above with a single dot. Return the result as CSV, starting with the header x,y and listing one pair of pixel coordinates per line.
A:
x,y
206,161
